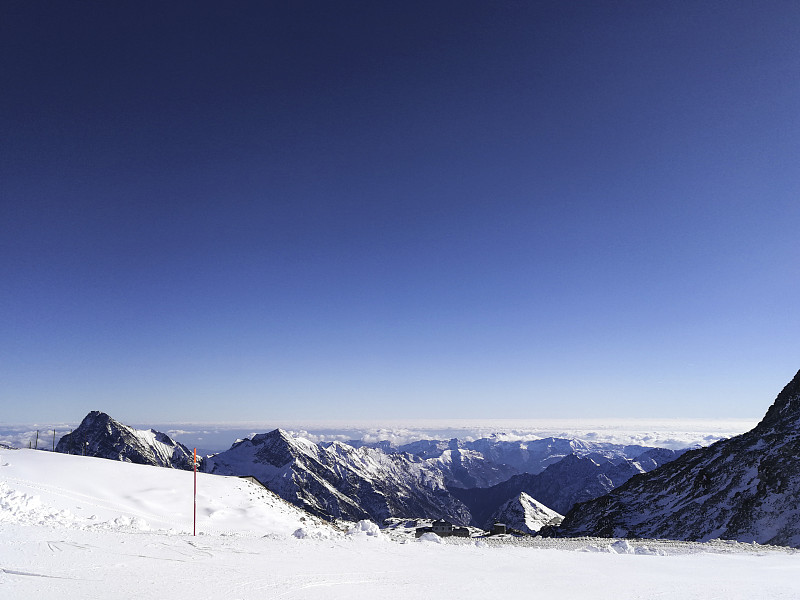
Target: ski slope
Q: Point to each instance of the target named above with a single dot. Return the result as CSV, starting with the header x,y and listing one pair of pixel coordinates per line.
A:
x,y
92,528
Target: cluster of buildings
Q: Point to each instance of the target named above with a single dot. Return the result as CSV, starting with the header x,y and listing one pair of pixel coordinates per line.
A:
x,y
444,528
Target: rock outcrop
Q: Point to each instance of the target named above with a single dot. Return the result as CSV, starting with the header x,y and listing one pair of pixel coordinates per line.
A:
x,y
101,436
745,488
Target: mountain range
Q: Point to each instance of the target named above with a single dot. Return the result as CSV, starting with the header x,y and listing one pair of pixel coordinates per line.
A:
x,y
461,481
744,488
337,481
563,484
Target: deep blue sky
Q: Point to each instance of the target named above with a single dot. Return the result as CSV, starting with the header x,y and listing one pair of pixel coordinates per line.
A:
x,y
374,210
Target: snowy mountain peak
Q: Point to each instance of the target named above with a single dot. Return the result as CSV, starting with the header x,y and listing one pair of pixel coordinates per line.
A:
x,y
525,514
101,436
785,411
96,419
337,481
271,436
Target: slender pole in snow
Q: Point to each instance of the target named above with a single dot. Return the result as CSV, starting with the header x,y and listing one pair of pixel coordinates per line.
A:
x,y
36,447
194,462
54,440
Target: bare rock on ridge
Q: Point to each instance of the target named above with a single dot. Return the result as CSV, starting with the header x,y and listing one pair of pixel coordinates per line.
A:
x,y
101,436
745,488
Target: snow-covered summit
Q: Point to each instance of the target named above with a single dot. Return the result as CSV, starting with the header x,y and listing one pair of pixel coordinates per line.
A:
x,y
101,436
526,514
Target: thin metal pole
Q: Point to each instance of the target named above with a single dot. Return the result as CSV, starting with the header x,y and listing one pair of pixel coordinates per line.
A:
x,y
36,447
54,440
194,462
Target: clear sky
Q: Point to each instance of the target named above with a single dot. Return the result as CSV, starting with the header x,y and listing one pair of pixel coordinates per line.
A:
x,y
383,210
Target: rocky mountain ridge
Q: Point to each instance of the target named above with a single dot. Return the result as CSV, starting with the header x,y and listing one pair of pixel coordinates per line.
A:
x,y
339,481
744,488
101,436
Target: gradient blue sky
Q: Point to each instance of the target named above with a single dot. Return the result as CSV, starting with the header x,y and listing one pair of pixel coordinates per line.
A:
x,y
316,210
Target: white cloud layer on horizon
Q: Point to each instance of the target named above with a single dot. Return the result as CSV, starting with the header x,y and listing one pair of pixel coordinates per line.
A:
x,y
666,433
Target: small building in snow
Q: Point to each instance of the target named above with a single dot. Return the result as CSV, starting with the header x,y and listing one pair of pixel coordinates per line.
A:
x,y
498,529
443,528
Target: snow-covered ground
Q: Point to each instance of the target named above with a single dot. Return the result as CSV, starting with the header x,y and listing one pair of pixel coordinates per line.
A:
x,y
91,528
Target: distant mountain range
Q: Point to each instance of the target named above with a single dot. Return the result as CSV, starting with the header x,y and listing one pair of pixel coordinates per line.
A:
x,y
462,482
745,488
489,461
575,478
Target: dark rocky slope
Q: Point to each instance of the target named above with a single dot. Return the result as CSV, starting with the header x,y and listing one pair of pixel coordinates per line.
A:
x,y
746,488
101,436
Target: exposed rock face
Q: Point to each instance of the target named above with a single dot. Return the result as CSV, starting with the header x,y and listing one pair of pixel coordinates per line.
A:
x,y
745,488
525,514
101,436
339,481
561,485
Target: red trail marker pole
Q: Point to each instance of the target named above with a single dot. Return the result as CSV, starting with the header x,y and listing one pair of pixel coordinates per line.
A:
x,y
194,462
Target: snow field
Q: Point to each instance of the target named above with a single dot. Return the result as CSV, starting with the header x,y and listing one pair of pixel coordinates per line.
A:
x,y
96,529
97,564
43,488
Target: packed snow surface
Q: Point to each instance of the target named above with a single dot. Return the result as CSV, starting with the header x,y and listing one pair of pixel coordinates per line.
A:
x,y
91,528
